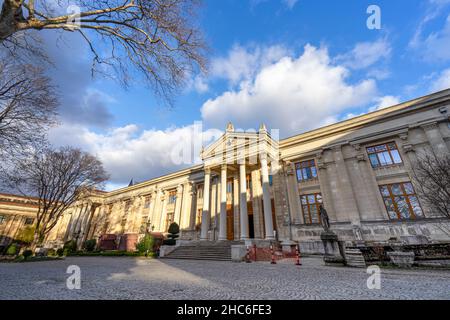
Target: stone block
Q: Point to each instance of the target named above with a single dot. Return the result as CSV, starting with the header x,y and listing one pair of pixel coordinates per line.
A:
x,y
354,258
165,250
238,253
401,259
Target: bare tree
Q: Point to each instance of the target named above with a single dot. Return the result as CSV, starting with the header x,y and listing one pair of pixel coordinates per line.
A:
x,y
159,38
57,178
28,105
432,180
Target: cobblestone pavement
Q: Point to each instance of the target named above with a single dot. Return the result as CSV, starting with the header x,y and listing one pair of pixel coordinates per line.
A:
x,y
138,278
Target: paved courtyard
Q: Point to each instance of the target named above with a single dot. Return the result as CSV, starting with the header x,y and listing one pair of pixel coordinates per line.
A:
x,y
137,278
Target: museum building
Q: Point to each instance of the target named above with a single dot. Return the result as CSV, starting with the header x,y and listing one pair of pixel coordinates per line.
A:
x,y
251,187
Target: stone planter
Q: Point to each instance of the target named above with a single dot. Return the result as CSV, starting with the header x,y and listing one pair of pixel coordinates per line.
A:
x,y
401,259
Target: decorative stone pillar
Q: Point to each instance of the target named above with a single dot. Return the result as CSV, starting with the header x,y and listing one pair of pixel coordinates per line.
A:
x,y
435,138
347,198
223,204
236,224
206,214
153,208
243,202
165,198
293,194
268,222
186,206
193,207
178,203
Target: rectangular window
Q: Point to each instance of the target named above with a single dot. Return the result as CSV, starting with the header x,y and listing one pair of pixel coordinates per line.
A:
x,y
198,223
384,155
230,186
169,220
172,197
200,191
147,202
143,228
270,180
29,221
306,170
401,201
127,206
2,219
310,207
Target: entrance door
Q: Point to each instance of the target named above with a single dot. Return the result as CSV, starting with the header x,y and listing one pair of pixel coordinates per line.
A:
x,y
251,225
230,222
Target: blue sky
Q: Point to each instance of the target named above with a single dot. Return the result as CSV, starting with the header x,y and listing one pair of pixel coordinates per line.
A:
x,y
295,65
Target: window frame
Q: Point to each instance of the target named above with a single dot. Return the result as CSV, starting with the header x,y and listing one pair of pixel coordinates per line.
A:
x,y
147,201
412,214
316,203
27,223
299,166
388,149
172,197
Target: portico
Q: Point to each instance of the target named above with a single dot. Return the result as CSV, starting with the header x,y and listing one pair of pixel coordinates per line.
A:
x,y
239,155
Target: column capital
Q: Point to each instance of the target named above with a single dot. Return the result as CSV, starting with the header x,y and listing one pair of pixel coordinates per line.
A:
x,y
223,166
207,170
263,155
430,126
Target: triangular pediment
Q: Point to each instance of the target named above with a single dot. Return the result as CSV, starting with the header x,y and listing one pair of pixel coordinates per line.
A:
x,y
233,145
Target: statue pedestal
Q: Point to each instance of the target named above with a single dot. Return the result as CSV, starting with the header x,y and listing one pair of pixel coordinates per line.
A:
x,y
333,249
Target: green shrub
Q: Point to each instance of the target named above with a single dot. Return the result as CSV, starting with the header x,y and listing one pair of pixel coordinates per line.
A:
x,y
60,252
27,253
12,249
90,245
145,246
26,235
70,246
51,252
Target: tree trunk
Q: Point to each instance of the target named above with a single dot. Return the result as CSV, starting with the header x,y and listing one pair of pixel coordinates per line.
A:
x,y
10,18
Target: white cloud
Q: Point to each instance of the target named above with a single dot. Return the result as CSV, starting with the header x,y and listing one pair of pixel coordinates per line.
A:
x,y
290,94
127,152
442,82
385,102
434,45
242,64
290,3
366,54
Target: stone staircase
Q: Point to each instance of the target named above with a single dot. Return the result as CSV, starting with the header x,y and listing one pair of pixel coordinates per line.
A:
x,y
203,250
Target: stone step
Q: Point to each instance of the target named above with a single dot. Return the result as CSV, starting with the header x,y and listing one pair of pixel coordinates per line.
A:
x,y
202,251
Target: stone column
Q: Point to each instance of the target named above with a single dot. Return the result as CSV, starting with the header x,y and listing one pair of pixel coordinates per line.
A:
x,y
163,211
266,198
293,194
347,198
243,202
435,138
223,204
205,213
186,206
151,211
178,203
193,207
236,225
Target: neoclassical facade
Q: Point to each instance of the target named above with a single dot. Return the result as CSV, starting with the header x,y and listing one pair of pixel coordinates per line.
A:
x,y
250,186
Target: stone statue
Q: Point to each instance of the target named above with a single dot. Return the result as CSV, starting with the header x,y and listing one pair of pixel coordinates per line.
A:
x,y
324,219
